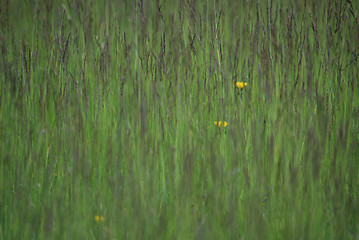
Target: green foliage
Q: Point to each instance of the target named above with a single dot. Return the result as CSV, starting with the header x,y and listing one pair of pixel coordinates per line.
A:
x,y
107,114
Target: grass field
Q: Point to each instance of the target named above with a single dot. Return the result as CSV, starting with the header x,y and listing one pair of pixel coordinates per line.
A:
x,y
108,111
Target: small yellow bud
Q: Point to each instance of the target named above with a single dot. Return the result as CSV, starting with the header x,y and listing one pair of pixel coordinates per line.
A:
x,y
241,85
221,124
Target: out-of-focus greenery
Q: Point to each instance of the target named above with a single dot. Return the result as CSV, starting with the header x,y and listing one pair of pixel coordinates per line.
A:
x,y
108,111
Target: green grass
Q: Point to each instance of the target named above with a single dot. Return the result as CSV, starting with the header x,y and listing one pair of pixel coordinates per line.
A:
x,y
108,109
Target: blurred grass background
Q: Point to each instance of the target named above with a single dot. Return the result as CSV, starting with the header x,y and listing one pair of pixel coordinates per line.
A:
x,y
107,114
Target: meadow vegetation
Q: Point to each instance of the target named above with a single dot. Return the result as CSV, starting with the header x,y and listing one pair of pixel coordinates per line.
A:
x,y
123,119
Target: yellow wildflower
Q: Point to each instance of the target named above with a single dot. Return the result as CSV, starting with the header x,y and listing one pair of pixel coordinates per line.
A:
x,y
241,85
221,124
99,218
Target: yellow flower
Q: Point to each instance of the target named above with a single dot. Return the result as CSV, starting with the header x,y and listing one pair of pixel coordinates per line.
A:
x,y
221,124
99,218
241,85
